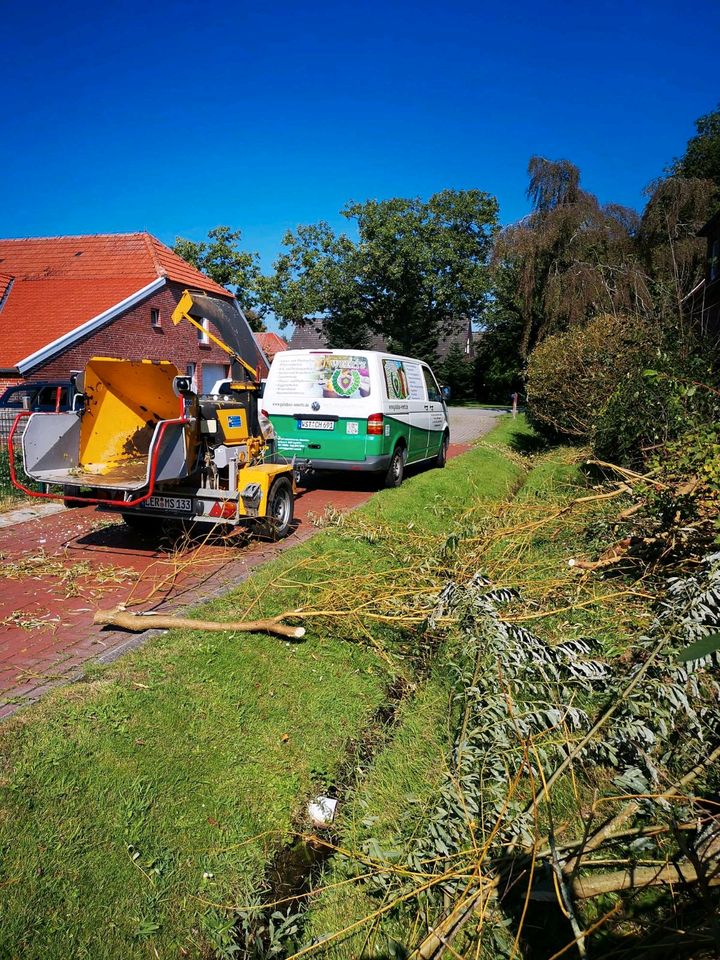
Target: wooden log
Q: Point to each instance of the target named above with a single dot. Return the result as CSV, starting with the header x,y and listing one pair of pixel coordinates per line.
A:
x,y
152,621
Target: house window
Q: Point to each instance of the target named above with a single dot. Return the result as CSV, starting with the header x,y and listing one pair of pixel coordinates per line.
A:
x,y
203,334
190,371
155,317
715,260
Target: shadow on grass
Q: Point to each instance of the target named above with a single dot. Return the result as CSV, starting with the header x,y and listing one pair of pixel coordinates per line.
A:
x,y
528,443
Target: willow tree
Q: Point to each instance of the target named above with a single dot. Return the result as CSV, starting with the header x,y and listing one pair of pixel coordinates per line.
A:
x,y
571,258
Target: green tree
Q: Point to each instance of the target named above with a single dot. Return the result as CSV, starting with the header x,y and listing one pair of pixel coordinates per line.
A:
x,y
701,160
416,268
221,258
457,372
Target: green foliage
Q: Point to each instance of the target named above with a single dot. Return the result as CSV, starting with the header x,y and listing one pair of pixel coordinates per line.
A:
x,y
699,649
701,159
7,490
221,258
668,410
641,413
572,375
499,365
457,372
417,268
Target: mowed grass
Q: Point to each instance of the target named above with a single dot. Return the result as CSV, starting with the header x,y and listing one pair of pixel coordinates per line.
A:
x,y
138,805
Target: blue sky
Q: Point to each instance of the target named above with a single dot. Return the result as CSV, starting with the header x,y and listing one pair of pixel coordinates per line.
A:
x,y
175,117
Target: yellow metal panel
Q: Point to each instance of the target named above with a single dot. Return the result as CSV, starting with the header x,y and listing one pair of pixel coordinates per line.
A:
x,y
124,401
234,424
262,474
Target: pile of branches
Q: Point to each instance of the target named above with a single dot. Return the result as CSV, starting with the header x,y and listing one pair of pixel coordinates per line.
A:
x,y
537,729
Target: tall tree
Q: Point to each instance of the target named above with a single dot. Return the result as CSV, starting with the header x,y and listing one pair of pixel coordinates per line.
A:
x,y
572,256
416,268
701,160
221,258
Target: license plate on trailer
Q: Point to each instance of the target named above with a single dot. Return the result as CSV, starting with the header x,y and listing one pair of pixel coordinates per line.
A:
x,y
178,504
316,424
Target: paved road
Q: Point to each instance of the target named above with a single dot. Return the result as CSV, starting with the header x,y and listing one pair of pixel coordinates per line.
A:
x,y
57,569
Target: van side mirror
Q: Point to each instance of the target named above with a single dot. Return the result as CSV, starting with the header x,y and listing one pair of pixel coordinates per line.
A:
x,y
261,389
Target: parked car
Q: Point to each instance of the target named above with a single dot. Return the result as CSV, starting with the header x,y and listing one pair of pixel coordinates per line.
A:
x,y
40,395
356,410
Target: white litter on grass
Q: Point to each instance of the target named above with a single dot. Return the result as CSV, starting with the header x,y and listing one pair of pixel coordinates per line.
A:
x,y
322,810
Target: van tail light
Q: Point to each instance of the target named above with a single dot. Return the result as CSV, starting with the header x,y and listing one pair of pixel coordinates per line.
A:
x,y
265,414
375,425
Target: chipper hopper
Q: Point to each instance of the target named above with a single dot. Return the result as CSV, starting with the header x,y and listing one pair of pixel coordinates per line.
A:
x,y
143,443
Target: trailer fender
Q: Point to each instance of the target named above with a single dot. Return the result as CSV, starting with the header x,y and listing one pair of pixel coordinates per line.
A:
x,y
254,485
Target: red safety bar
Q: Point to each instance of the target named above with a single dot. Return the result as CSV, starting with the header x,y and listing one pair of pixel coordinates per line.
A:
x,y
62,496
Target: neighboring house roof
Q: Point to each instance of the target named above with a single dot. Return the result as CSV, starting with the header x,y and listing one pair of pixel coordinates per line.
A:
x,y
270,344
66,287
461,335
311,336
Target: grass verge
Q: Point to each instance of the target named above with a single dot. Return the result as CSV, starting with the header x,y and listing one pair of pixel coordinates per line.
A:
x,y
135,807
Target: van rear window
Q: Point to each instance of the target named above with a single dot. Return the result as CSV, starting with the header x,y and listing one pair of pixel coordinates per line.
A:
x,y
334,376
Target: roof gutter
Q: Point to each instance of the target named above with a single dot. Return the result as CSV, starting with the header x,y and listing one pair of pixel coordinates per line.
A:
x,y
90,326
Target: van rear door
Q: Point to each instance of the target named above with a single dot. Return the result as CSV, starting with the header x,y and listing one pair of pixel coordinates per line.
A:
x,y
319,402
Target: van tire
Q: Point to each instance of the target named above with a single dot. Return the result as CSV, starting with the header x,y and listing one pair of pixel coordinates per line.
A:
x,y
396,467
442,453
280,509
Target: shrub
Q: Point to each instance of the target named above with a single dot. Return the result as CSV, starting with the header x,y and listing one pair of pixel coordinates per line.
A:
x,y
651,408
572,375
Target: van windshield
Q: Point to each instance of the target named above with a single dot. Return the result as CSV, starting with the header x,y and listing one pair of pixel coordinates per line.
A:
x,y
339,376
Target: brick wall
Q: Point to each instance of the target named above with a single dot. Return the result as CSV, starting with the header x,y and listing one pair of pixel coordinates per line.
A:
x,y
133,337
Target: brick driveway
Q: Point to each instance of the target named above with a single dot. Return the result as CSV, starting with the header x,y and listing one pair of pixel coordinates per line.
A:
x,y
61,567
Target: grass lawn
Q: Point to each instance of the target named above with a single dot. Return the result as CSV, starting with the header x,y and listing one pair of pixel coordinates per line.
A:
x,y
138,804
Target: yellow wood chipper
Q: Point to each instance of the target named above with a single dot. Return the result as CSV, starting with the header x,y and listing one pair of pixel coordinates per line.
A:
x,y
143,443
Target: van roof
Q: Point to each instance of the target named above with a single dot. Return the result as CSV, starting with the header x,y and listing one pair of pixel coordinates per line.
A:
x,y
352,350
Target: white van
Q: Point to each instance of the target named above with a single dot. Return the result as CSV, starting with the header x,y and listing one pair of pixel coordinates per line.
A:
x,y
356,410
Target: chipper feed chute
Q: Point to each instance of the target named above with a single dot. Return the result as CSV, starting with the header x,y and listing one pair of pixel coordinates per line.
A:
x,y
131,429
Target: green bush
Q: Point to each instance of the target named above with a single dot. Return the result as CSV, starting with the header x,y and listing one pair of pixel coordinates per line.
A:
x,y
642,414
7,490
652,408
572,375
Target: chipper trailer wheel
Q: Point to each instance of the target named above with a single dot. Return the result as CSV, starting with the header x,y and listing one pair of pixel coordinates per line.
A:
x,y
279,517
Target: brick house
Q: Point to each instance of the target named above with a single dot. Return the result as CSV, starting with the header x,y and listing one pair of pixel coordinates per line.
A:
x,y
66,299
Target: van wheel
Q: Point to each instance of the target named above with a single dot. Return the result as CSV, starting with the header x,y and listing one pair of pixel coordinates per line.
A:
x,y
279,516
442,453
396,469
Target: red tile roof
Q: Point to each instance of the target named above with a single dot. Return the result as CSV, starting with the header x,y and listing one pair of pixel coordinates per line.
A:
x,y
62,282
270,344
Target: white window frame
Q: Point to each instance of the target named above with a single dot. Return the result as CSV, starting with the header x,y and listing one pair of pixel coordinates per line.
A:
x,y
203,337
155,318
